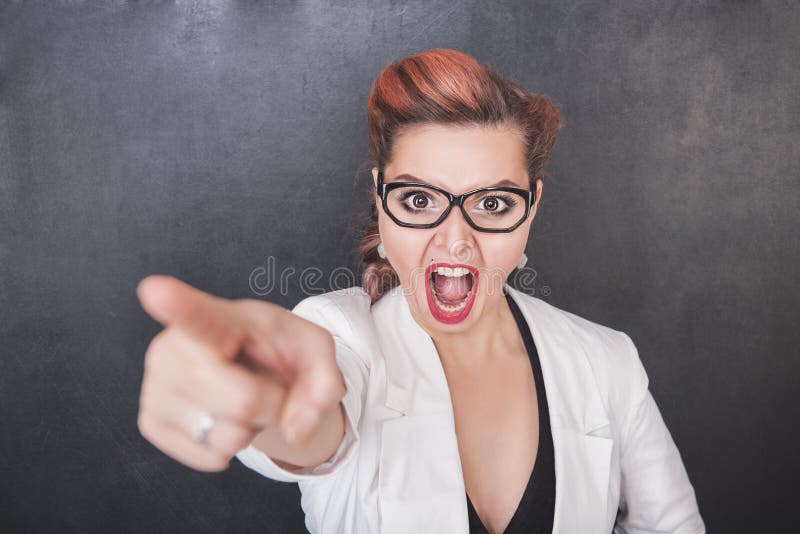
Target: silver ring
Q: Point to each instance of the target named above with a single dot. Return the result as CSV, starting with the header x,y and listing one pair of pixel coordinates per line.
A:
x,y
202,427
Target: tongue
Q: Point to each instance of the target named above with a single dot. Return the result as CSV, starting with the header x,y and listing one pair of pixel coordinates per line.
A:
x,y
452,288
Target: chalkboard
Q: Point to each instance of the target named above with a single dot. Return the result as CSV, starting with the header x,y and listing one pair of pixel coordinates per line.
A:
x,y
211,139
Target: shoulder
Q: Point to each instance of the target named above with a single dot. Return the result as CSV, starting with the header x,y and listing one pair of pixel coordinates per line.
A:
x,y
348,301
610,353
345,313
589,334
602,341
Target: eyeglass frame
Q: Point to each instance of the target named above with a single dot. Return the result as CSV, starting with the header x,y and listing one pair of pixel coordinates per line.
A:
x,y
455,200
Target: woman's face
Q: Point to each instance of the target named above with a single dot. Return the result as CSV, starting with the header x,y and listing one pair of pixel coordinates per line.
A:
x,y
457,159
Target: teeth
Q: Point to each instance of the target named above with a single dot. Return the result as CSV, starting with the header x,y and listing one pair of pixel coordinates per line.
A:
x,y
449,309
447,271
446,307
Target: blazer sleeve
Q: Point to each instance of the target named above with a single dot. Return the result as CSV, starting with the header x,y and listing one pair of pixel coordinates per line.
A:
x,y
656,494
355,373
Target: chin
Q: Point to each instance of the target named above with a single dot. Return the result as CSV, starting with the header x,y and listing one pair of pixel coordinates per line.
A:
x,y
435,323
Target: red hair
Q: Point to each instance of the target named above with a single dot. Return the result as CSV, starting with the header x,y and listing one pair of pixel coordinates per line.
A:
x,y
446,86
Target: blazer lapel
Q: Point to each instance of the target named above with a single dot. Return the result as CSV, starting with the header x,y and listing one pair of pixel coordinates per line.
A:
x,y
420,481
421,484
579,423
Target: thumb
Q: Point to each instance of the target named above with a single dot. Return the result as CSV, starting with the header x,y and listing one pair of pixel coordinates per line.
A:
x,y
209,319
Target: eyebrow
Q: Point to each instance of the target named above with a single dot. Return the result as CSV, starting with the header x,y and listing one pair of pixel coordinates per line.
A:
x,y
412,178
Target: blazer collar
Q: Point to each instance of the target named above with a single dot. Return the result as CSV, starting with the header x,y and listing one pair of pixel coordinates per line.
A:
x,y
417,385
572,393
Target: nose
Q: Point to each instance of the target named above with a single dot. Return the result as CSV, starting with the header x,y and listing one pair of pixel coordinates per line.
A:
x,y
455,238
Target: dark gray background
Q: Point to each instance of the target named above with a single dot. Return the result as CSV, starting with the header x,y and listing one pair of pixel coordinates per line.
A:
x,y
200,138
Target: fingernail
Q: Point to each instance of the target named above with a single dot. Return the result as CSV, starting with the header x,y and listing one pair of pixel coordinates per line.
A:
x,y
301,425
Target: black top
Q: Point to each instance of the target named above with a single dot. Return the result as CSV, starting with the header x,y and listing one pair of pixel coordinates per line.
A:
x,y
535,511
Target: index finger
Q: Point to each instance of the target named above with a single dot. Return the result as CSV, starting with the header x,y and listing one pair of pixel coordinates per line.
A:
x,y
212,320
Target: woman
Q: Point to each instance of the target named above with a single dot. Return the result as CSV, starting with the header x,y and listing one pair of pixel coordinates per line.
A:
x,y
437,398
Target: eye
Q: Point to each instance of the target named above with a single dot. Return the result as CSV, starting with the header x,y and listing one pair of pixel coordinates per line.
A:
x,y
416,200
490,203
496,204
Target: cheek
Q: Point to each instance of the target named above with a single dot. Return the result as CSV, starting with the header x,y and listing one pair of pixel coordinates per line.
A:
x,y
405,247
502,256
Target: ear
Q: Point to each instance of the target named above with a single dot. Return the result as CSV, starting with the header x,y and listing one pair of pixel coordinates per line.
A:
x,y
538,196
375,186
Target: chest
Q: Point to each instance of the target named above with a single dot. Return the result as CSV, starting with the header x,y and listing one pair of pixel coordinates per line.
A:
x,y
497,427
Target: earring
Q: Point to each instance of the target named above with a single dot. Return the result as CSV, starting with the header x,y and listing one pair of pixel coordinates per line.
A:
x,y
381,250
522,261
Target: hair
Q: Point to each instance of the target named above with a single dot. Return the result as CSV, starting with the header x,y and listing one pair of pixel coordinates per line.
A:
x,y
444,86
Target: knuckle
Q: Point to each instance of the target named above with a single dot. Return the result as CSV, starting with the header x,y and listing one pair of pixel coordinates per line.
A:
x,y
324,388
197,375
255,314
145,429
238,439
243,308
331,384
246,303
255,306
325,337
148,399
149,357
246,402
219,463
210,463
340,390
152,388
154,355
144,397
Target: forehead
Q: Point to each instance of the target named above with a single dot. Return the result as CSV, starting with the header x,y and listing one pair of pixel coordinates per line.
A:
x,y
459,158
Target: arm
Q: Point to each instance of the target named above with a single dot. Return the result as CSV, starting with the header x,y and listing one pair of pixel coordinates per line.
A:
x,y
656,494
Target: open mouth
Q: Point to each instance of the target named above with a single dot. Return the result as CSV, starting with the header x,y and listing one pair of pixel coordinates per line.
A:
x,y
451,290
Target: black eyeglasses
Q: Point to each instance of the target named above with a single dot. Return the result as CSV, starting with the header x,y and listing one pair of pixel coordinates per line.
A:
x,y
488,209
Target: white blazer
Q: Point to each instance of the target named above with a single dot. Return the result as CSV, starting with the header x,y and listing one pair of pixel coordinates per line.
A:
x,y
398,468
